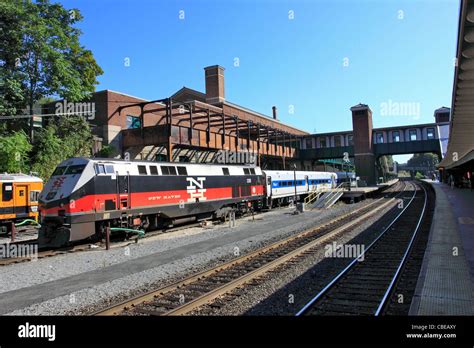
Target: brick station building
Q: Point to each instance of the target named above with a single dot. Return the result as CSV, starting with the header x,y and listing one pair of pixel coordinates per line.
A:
x,y
191,126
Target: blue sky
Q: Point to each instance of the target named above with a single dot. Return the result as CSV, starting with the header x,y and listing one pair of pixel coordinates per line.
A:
x,y
330,56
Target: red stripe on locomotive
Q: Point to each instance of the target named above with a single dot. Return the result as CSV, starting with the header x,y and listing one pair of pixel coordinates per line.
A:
x,y
92,203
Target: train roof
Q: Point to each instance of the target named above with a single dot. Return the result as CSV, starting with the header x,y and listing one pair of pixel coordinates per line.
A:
x,y
113,160
19,177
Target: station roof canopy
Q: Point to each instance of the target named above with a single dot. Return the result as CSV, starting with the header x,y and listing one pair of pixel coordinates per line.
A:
x,y
461,137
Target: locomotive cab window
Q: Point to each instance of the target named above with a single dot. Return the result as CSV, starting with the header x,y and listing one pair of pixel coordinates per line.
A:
x,y
252,171
142,170
182,171
225,171
7,191
246,171
100,169
109,169
59,171
73,170
153,170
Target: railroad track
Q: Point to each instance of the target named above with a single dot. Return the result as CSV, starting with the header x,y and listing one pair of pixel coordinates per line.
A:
x,y
46,253
366,287
197,290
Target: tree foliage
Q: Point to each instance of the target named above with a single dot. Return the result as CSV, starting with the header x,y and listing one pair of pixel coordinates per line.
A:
x,y
68,137
14,152
41,58
423,160
41,55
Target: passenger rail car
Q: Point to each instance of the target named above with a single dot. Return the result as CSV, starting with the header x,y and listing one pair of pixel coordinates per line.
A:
x,y
18,198
84,196
346,177
280,184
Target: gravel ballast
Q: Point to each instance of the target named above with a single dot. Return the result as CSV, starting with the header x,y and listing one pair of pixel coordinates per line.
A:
x,y
82,282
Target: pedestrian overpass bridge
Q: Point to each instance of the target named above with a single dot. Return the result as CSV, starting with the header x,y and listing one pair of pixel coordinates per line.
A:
x,y
366,144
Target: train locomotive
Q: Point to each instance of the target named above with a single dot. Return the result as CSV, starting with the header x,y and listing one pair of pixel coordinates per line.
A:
x,y
85,196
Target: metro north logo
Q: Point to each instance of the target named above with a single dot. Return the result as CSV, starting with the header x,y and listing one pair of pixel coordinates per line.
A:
x,y
196,189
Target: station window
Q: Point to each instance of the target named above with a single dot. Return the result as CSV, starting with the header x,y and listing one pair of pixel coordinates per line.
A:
x,y
350,140
182,171
160,158
379,138
133,122
225,171
412,134
322,142
142,170
153,170
309,143
430,134
337,140
396,136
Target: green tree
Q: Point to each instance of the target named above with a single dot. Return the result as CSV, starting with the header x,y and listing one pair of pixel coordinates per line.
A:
x,y
68,137
423,160
48,152
107,151
14,152
40,55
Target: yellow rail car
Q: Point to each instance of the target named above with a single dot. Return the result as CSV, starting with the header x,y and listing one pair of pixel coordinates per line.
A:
x,y
18,198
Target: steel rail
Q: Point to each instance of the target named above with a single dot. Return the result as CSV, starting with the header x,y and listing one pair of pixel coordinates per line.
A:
x,y
405,257
354,261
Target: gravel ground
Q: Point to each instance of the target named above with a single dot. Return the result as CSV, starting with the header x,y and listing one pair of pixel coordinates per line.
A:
x,y
90,299
288,288
23,234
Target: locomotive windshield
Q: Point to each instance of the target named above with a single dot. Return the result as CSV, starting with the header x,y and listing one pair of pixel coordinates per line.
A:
x,y
59,171
71,170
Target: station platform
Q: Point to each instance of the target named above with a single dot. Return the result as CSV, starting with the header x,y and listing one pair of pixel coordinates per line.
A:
x,y
359,192
445,284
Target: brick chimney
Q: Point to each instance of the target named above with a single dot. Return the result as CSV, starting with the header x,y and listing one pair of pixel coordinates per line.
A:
x,y
215,92
274,112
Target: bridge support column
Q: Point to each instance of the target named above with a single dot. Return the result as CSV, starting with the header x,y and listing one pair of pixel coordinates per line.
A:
x,y
364,156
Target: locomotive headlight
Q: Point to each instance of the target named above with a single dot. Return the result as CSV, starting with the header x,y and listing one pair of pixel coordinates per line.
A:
x,y
61,205
34,209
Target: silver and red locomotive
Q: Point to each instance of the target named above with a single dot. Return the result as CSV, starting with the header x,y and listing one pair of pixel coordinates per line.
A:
x,y
84,196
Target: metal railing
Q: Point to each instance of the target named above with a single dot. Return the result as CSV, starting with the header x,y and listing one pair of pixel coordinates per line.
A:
x,y
316,194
